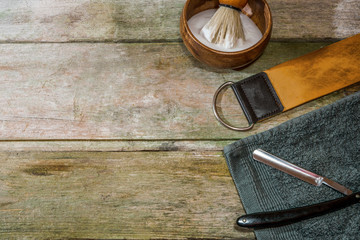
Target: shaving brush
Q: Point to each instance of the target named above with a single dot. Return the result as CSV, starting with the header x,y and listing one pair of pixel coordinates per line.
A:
x,y
225,27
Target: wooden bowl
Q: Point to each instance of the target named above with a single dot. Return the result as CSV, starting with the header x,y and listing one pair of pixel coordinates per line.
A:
x,y
261,17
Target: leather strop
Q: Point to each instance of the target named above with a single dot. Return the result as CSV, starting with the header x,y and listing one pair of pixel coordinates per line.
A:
x,y
296,82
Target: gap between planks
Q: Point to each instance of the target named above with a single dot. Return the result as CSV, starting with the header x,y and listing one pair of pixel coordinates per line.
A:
x,y
130,41
152,145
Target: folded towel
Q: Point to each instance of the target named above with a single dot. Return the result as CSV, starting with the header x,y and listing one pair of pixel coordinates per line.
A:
x,y
326,142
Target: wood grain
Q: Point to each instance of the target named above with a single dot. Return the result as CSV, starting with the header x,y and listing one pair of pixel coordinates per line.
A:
x,y
125,92
139,195
119,141
104,140
114,145
130,21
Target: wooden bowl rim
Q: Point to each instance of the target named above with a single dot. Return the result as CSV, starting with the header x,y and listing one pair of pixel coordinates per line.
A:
x,y
264,37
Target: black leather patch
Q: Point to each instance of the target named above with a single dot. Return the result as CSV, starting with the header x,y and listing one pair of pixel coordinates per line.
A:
x,y
257,97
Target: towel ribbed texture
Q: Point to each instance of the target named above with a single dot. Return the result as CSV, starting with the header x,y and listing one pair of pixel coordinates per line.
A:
x,y
326,142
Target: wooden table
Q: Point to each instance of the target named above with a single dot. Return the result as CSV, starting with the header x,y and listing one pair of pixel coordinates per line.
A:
x,y
106,125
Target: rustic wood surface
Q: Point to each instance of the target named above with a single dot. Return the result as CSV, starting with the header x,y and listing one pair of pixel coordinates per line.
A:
x,y
149,21
117,140
108,195
124,91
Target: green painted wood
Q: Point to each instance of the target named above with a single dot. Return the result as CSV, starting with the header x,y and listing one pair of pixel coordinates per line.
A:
x,y
158,20
136,195
125,92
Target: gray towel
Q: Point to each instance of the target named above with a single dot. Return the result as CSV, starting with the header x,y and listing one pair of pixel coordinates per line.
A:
x,y
325,141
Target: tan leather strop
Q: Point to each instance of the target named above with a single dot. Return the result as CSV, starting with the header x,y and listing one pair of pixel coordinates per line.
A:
x,y
296,82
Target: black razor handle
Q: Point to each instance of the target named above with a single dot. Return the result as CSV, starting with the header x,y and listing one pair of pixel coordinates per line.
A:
x,y
284,217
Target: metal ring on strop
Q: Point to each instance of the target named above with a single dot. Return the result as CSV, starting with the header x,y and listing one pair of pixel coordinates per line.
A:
x,y
217,116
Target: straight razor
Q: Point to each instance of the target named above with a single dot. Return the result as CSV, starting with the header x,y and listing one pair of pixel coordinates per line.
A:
x,y
284,217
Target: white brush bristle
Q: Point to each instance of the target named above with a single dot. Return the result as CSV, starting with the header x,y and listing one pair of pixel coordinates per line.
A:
x,y
224,28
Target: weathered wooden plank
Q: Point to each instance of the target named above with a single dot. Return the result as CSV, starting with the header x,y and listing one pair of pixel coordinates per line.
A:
x,y
139,195
306,20
114,145
124,91
129,20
